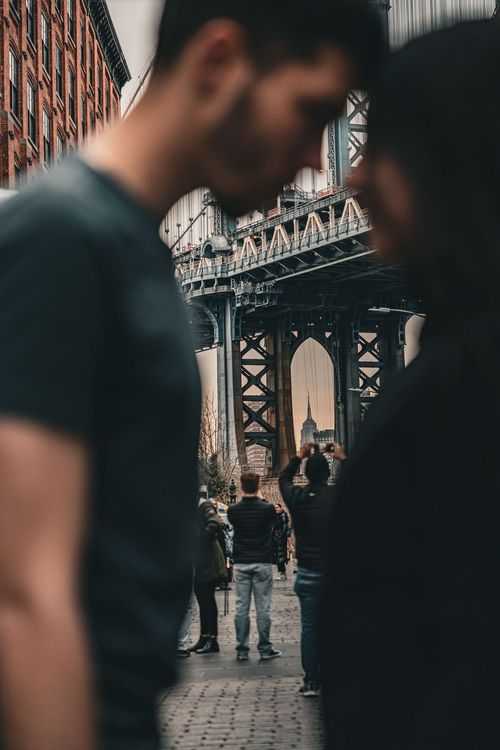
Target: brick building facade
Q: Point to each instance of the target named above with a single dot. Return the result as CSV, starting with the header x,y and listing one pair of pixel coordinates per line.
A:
x,y
61,74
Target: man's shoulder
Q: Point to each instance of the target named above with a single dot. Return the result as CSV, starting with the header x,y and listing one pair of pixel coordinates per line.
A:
x,y
235,509
49,206
266,507
66,201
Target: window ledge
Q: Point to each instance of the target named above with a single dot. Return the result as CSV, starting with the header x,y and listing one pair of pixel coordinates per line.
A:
x,y
16,119
15,14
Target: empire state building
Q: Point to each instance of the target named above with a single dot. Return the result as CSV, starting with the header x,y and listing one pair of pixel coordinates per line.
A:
x,y
309,428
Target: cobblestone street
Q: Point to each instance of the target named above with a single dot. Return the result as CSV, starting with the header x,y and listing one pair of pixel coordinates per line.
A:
x,y
220,703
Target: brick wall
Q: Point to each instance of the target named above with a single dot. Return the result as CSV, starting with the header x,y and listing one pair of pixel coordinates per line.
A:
x,y
20,156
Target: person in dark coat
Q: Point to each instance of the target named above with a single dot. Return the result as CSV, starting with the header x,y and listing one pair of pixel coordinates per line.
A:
x,y
411,611
210,569
280,541
310,507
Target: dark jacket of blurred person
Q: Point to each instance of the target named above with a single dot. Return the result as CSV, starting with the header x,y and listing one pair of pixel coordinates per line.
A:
x,y
410,652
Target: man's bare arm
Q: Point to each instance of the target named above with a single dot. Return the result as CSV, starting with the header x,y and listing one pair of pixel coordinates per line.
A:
x,y
45,685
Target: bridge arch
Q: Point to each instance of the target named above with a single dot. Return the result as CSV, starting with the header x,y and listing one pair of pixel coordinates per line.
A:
x,y
313,385
206,326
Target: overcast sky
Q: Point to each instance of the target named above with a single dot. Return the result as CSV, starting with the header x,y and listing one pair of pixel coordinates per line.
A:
x,y
135,22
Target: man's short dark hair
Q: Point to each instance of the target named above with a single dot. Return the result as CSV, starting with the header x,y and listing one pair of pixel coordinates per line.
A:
x,y
250,482
280,29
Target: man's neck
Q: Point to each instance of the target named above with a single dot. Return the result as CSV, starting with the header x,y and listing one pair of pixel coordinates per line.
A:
x,y
151,159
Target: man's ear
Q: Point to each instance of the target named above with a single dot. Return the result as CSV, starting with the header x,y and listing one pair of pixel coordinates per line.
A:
x,y
217,52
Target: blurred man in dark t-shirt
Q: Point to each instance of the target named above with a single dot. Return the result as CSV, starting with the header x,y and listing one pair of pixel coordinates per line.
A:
x,y
99,389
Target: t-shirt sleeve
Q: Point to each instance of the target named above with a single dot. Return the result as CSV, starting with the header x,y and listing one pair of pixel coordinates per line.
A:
x,y
51,320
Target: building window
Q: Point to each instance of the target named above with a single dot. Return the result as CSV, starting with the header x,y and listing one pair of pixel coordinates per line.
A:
x,y
82,45
60,147
30,21
14,83
84,117
14,4
59,70
59,6
46,137
99,85
45,43
91,65
107,105
31,99
71,95
92,122
71,18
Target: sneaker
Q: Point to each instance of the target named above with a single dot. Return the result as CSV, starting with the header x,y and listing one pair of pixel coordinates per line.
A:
x,y
242,656
309,691
271,654
183,653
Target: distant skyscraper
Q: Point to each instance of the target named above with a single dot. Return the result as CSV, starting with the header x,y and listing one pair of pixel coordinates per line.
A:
x,y
309,427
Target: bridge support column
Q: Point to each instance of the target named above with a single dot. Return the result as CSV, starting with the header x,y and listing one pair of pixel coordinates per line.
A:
x,y
394,343
348,412
230,409
280,382
370,352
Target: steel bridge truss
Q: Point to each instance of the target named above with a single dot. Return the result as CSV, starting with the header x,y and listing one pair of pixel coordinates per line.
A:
x,y
255,353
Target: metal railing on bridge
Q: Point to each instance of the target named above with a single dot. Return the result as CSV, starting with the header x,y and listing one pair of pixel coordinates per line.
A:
x,y
272,240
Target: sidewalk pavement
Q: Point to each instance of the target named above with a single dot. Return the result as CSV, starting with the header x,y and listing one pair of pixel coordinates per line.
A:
x,y
220,703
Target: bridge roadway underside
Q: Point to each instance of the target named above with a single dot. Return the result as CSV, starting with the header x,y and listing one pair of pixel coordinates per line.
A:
x,y
257,329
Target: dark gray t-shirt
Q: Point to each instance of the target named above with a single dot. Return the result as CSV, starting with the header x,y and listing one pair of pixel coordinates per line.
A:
x,y
94,340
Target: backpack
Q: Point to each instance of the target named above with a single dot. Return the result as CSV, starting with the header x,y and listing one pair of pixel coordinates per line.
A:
x,y
225,540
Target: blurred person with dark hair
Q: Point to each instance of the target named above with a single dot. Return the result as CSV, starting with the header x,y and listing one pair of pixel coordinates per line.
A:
x,y
99,389
253,522
309,507
411,653
280,542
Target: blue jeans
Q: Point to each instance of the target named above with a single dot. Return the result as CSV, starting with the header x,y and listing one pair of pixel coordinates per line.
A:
x,y
258,578
308,588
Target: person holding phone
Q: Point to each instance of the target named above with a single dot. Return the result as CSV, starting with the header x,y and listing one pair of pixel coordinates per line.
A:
x,y
309,508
